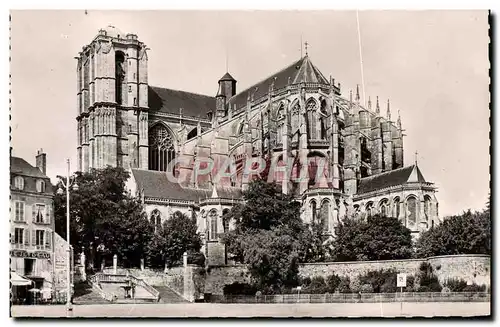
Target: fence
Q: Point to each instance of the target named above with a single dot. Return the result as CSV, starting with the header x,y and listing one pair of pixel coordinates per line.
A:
x,y
354,298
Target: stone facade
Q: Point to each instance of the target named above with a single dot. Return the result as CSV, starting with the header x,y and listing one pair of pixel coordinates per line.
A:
x,y
32,221
336,156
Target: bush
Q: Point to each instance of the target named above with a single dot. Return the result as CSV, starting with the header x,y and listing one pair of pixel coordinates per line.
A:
x,y
381,280
196,258
428,279
366,288
237,288
410,283
332,283
317,286
455,284
445,290
306,281
423,289
355,285
344,285
474,288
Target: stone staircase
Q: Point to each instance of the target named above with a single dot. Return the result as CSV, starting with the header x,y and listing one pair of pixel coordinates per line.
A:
x,y
169,296
85,294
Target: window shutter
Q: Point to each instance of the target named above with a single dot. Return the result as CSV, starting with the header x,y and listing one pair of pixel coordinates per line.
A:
x,y
33,212
48,240
33,237
47,214
26,236
23,213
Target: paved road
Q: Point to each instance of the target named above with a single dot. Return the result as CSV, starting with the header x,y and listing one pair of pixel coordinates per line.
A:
x,y
428,309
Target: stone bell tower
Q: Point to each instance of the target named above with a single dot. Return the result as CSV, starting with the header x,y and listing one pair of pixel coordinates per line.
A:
x,y
112,75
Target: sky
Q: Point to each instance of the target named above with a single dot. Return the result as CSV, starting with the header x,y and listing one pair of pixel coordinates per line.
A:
x,y
432,65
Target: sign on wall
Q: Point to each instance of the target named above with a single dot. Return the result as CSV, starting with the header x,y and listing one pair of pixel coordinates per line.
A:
x,y
26,254
401,280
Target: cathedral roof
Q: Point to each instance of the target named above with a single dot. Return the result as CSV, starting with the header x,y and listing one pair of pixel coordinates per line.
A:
x,y
391,178
170,101
300,71
20,166
155,184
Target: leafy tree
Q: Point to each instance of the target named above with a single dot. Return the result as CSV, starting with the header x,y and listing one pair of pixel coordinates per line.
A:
x,y
177,235
469,233
377,238
332,283
104,216
269,236
382,281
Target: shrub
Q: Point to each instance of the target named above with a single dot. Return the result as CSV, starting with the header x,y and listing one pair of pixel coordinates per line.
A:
x,y
344,285
455,284
445,290
196,258
410,283
380,278
355,285
366,288
474,288
428,279
237,288
305,281
317,286
423,289
332,283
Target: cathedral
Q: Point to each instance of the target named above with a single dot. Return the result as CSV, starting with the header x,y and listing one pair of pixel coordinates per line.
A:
x,y
334,155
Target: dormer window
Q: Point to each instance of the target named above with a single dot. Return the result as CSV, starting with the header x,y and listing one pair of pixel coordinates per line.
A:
x,y
19,182
40,186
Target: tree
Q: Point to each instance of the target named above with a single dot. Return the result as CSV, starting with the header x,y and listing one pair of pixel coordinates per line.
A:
x,y
269,236
377,238
177,235
468,233
104,216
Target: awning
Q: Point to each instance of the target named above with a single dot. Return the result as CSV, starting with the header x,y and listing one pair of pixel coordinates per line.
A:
x,y
18,280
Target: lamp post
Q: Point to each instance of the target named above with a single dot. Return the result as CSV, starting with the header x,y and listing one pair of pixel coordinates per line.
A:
x,y
69,184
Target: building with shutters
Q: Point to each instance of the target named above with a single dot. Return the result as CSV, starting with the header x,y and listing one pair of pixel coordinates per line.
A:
x,y
295,119
32,221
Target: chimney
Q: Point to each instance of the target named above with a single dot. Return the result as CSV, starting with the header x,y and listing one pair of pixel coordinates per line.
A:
x,y
41,161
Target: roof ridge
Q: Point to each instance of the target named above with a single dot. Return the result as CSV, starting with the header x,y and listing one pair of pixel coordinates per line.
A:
x,y
269,76
176,90
387,172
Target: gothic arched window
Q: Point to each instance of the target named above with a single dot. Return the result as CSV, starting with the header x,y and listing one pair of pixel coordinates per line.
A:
x,y
411,209
161,148
396,207
119,75
213,224
311,119
280,117
156,219
427,206
324,214
225,219
323,120
313,211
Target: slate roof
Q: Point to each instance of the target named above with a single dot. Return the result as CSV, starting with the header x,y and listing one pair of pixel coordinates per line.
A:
x,y
227,77
391,178
300,71
170,101
155,184
19,166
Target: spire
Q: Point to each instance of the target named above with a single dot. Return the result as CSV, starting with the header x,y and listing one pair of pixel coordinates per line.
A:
x,y
350,96
306,46
369,103
388,110
357,93
416,158
399,120
377,107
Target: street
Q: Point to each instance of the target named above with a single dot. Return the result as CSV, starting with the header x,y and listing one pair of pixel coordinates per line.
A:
x,y
387,309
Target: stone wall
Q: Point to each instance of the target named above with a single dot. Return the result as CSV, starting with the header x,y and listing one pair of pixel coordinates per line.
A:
x,y
472,268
